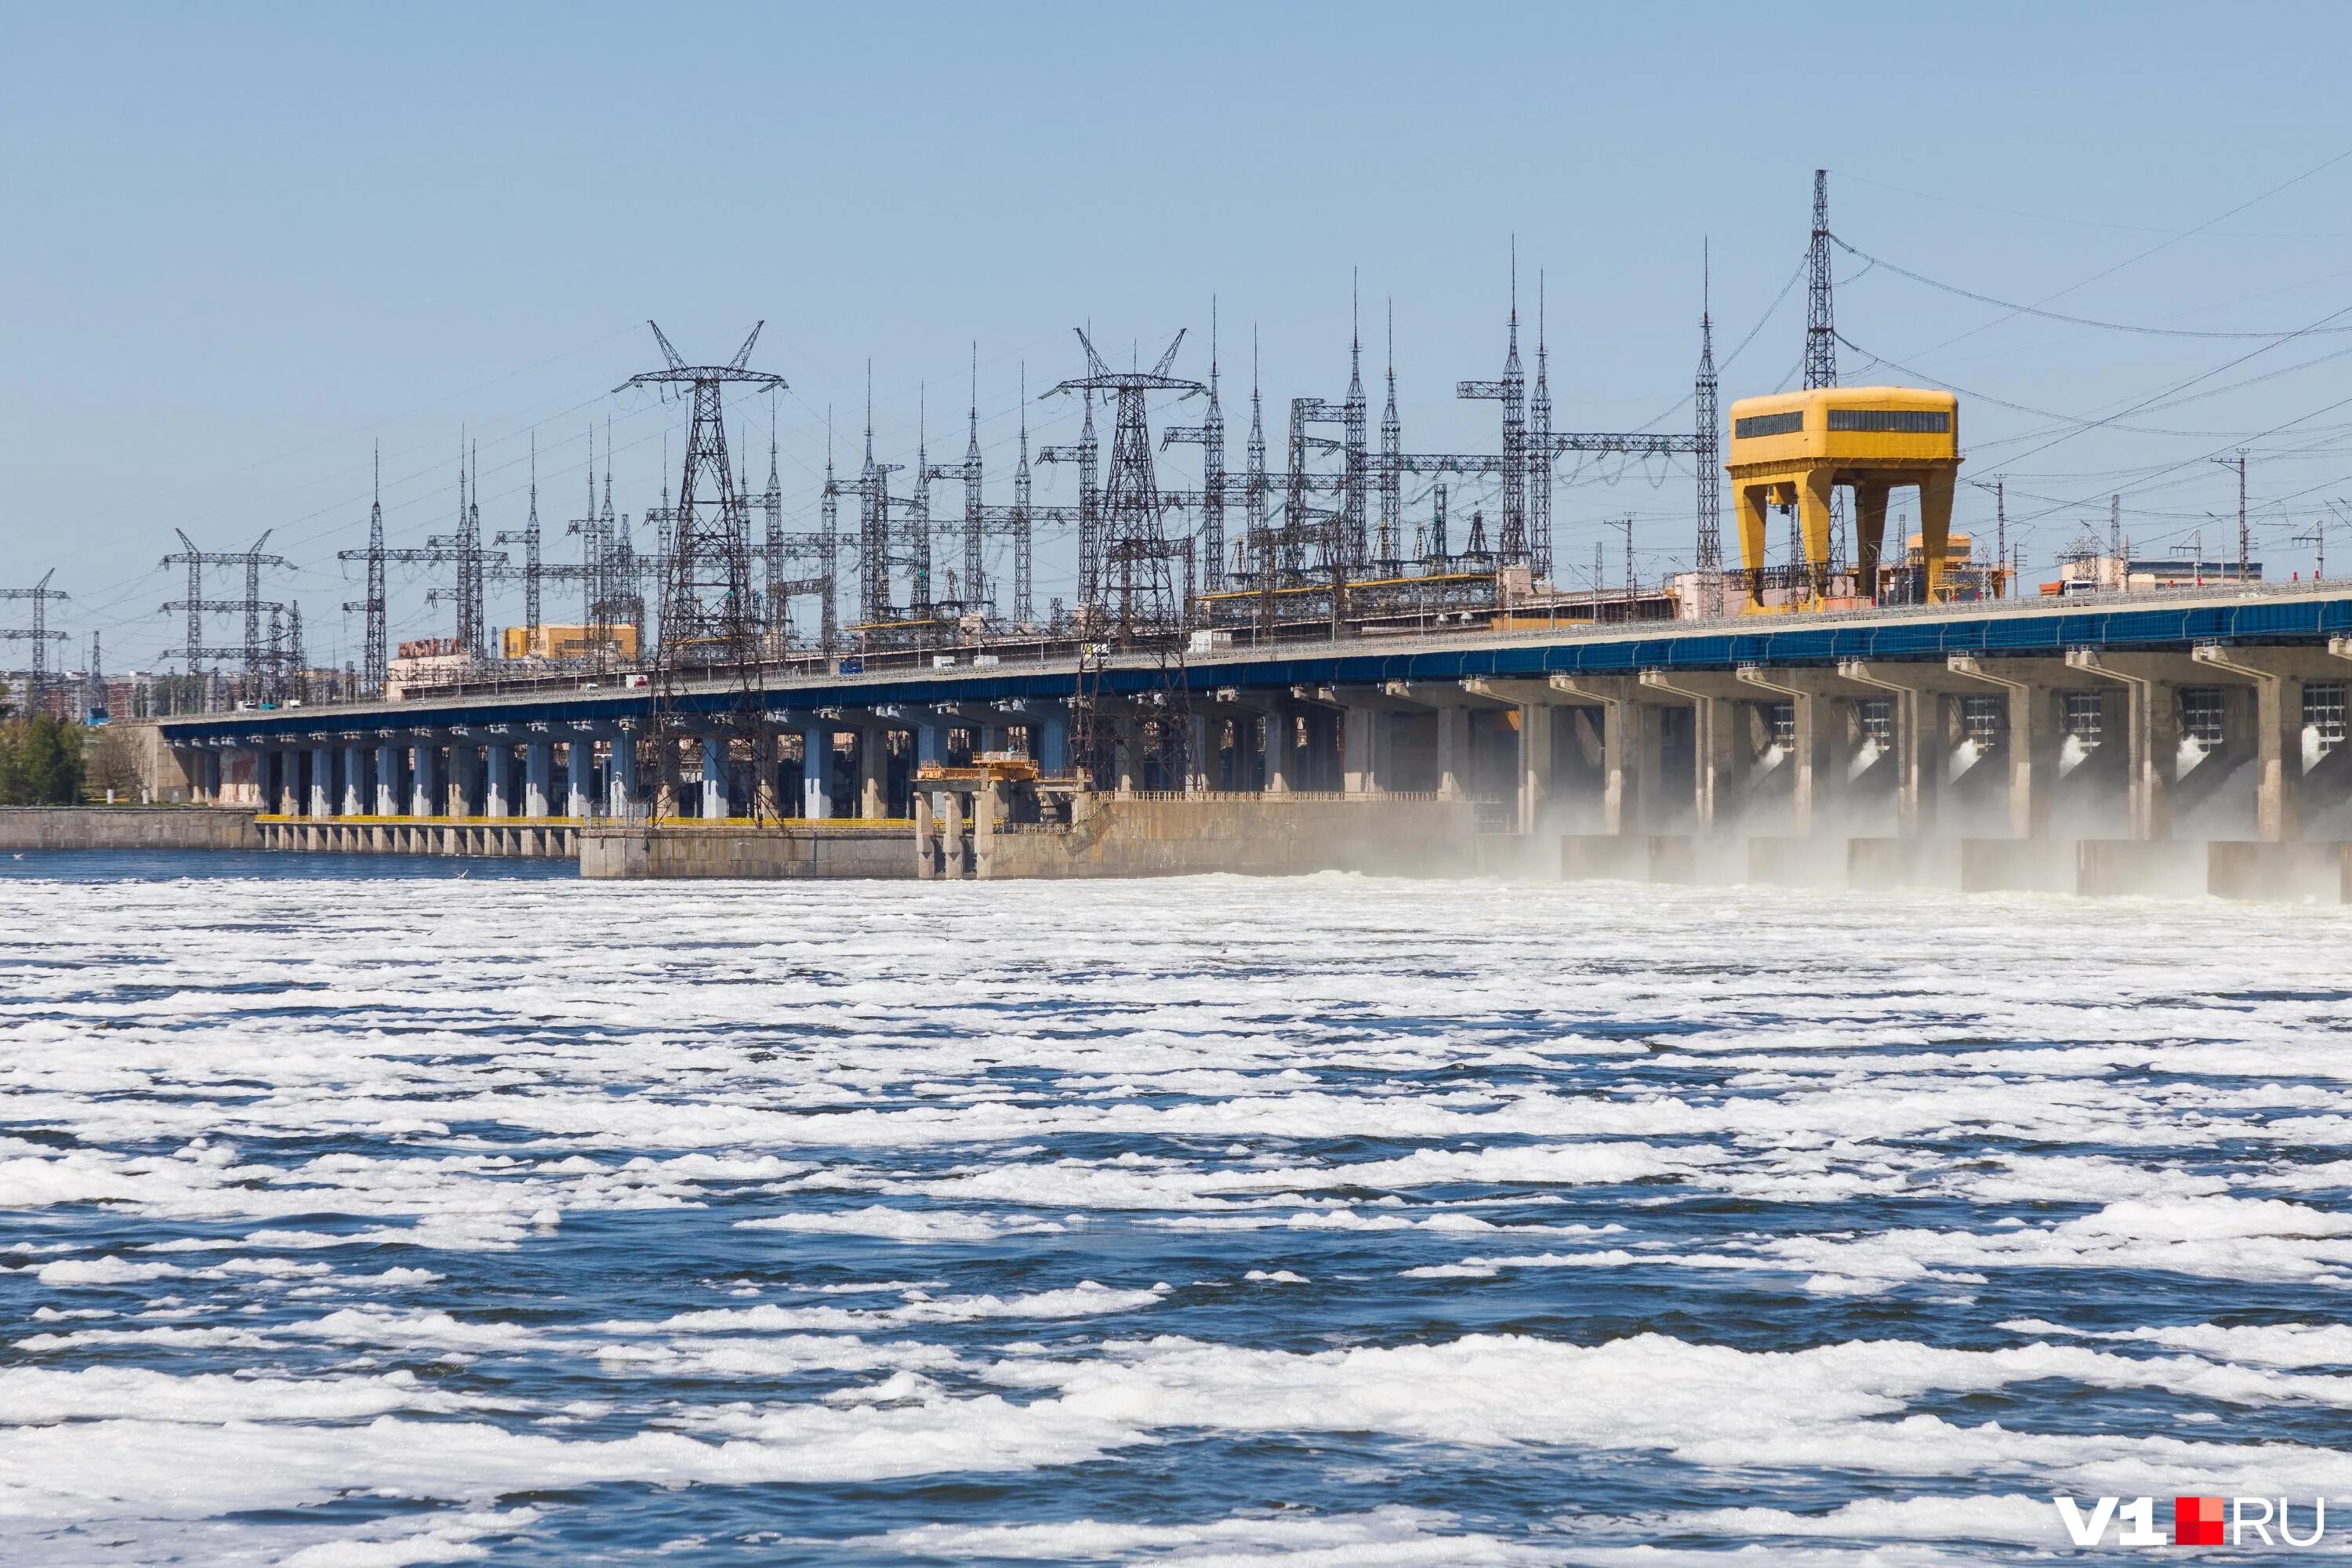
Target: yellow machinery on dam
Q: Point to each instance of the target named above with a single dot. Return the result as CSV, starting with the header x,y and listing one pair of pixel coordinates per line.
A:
x,y
1793,449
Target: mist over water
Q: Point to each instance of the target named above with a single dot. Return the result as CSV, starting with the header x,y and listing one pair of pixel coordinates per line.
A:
x,y
370,1220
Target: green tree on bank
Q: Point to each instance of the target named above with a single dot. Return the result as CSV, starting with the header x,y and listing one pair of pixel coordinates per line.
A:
x,y
40,760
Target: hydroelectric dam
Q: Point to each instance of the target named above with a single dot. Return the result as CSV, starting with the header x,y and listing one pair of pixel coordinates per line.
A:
x,y
2185,742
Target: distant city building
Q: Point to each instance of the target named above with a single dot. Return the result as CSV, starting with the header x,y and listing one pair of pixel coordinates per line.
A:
x,y
2100,573
567,642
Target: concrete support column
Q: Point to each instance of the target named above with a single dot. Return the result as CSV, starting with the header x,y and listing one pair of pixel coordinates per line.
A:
x,y
873,772
1719,754
716,803
951,812
1052,735
667,783
1360,748
387,780
1202,735
1281,751
987,811
767,758
816,771
496,761
579,776
421,795
1453,752
621,777
2034,739
1629,748
2151,738
538,777
1821,755
355,799
930,751
926,864
322,783
1535,764
457,779
2275,676
1918,735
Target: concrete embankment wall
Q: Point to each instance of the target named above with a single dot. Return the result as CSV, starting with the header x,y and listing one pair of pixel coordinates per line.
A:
x,y
126,828
618,851
1269,836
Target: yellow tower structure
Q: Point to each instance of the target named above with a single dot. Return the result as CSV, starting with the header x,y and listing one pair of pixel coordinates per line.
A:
x,y
1795,447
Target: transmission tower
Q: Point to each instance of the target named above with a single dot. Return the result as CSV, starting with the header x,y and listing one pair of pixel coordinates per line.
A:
x,y
36,684
1707,457
1821,318
1210,434
1144,608
710,613
1392,461
1086,452
1539,449
376,666
527,537
1511,392
252,607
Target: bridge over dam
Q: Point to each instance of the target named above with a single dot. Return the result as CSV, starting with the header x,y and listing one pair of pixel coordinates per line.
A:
x,y
2173,742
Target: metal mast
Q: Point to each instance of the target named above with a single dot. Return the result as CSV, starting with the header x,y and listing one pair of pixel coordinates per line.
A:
x,y
1539,453
771,552
1209,434
1821,318
1025,609
828,535
976,592
919,511
529,539
1392,461
374,663
1256,513
1358,460
1707,453
470,617
252,606
1145,607
1511,392
38,634
1084,452
710,616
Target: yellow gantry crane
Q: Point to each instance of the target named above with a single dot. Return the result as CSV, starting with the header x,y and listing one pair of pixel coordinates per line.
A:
x,y
1793,449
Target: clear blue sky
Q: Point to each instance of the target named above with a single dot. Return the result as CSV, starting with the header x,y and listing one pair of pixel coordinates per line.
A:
x,y
245,243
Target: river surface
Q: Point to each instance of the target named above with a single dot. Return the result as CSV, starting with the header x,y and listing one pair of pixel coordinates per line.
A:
x,y
357,1215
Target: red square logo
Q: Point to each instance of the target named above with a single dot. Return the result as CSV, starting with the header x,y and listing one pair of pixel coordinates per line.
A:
x,y
2197,1521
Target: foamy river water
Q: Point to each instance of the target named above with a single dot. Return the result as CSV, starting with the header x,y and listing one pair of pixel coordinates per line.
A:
x,y
365,1216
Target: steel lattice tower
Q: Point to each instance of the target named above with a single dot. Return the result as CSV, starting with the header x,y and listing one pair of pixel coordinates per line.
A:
x,y
1025,609
1210,434
710,613
1145,607
1357,473
1821,317
252,607
1391,462
1511,392
529,537
1707,457
1540,451
375,660
38,634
